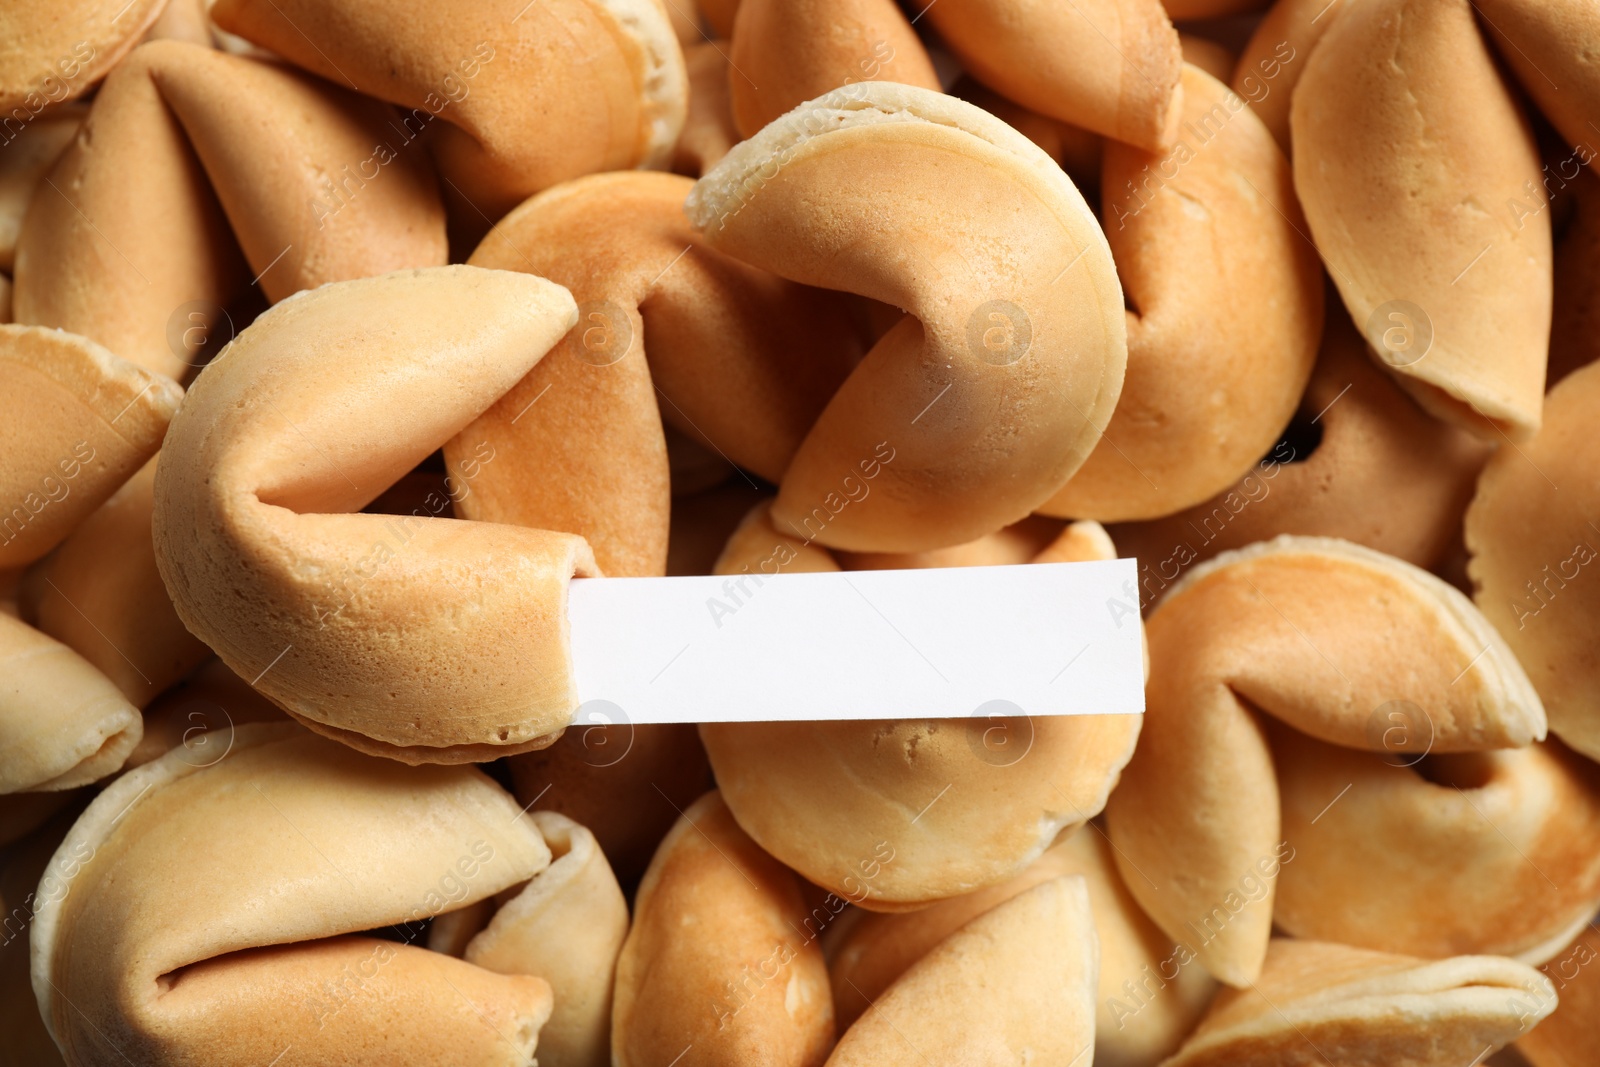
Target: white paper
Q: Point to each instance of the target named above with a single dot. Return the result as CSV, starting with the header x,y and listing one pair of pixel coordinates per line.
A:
x,y
1046,639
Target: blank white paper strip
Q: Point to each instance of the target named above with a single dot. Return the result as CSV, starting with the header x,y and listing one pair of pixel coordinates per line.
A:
x,y
1051,639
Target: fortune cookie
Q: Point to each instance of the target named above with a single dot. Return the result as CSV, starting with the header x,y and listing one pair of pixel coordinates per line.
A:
x,y
1316,1000
100,594
1360,461
251,947
895,814
778,60
1439,855
1275,56
184,144
567,927
62,723
529,98
25,158
1532,535
77,422
1327,636
1221,285
1563,81
625,782
741,360
56,52
420,638
1568,1036
1110,66
1407,145
1035,958
715,970
972,410
1150,992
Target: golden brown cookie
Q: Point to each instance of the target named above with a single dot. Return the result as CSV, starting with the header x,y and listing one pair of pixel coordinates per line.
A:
x,y
1035,958
972,410
1361,462
422,638
1531,532
785,52
78,422
62,723
1329,637
1150,993
746,986
1568,1036
1404,170
100,594
567,927
1222,286
1316,1000
1111,66
191,156
57,52
668,329
1437,855
515,101
213,913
